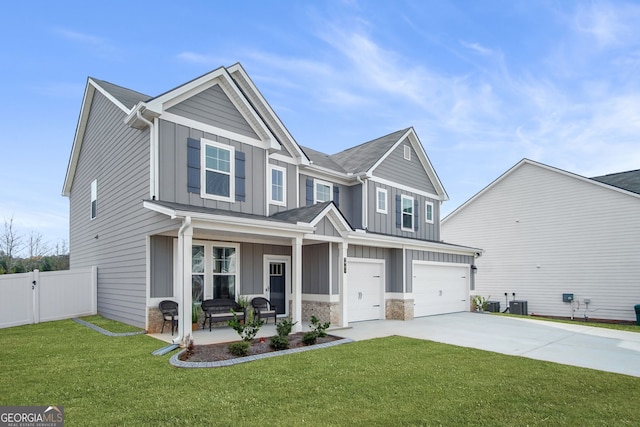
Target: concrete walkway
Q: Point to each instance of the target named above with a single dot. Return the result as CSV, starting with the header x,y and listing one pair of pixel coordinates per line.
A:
x,y
570,344
577,345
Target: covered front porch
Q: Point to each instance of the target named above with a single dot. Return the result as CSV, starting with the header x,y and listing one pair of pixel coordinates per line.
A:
x,y
218,256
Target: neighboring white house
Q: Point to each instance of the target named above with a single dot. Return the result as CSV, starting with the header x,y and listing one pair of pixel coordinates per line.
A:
x,y
546,232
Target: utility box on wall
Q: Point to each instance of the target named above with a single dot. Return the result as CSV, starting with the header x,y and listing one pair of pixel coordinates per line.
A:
x,y
567,297
518,307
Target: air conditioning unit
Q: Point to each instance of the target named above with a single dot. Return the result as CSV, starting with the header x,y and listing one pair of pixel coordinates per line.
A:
x,y
493,306
518,307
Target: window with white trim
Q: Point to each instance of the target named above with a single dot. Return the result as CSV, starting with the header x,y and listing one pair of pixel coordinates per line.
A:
x,y
94,198
381,200
407,152
218,171
224,272
214,270
407,213
323,191
428,212
197,273
278,188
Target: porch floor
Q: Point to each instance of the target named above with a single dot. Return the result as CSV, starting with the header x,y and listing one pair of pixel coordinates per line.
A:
x,y
221,334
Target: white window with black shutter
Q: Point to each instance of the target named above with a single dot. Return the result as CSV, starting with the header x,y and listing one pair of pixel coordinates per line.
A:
x,y
215,171
319,191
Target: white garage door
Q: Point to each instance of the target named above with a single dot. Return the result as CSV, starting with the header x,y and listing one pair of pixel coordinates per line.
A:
x,y
440,288
365,284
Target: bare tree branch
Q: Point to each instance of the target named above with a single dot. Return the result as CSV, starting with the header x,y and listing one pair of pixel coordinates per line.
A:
x,y
10,242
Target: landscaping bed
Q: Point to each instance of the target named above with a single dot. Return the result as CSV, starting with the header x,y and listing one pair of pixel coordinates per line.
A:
x,y
220,351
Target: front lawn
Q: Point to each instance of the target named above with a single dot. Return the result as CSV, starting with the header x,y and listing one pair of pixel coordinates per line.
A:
x,y
104,380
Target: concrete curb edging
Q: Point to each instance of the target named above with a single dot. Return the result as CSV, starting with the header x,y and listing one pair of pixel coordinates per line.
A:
x,y
175,361
104,331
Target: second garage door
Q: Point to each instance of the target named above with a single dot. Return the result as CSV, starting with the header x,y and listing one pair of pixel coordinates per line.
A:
x,y
440,288
365,284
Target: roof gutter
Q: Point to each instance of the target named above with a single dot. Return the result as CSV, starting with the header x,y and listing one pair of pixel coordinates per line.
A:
x,y
365,196
153,149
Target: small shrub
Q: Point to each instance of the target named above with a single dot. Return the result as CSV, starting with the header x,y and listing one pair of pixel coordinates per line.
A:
x,y
284,327
480,303
279,342
310,338
319,328
249,330
240,348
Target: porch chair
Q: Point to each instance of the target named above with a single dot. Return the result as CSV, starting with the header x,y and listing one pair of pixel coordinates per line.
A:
x,y
169,310
263,309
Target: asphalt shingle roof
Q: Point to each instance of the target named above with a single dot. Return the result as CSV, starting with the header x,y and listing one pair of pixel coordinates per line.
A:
x,y
629,181
129,98
361,157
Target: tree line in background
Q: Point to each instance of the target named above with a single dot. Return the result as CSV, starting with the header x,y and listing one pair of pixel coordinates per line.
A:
x,y
23,253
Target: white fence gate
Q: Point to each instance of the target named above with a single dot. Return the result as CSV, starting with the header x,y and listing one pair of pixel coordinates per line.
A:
x,y
44,296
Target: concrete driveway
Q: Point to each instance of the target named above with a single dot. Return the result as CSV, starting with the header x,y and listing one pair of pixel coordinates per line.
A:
x,y
577,345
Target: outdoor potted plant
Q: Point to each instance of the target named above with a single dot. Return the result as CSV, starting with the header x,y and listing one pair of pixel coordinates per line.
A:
x,y
195,314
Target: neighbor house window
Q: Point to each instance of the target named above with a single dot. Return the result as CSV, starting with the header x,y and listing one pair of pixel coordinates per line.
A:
x,y
94,199
407,152
381,200
224,272
218,171
428,209
407,213
323,191
278,185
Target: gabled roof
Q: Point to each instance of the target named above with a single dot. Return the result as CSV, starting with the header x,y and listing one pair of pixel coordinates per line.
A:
x,y
323,160
361,158
523,162
127,97
629,181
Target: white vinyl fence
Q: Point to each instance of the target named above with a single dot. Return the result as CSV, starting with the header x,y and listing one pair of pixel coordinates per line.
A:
x,y
44,296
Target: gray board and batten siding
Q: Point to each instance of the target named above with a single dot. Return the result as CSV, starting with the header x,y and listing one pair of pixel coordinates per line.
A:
x,y
173,174
117,156
252,265
388,223
315,269
343,197
393,263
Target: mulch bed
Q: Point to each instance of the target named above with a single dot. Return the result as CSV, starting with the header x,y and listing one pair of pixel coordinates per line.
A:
x,y
216,352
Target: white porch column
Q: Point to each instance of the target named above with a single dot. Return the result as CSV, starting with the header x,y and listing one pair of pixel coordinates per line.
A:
x,y
185,241
296,277
344,317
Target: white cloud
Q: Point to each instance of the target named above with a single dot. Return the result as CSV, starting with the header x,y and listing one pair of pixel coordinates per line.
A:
x,y
199,58
99,46
476,47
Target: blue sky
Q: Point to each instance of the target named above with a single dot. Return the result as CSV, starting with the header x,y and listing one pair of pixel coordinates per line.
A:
x,y
484,83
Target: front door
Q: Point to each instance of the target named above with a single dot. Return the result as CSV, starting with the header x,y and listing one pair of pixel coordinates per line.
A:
x,y
277,286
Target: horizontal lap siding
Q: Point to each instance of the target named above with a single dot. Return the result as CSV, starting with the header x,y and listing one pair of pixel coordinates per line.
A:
x,y
545,234
409,173
213,107
115,241
173,170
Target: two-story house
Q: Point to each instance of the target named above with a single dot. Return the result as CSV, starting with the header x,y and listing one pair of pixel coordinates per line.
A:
x,y
201,192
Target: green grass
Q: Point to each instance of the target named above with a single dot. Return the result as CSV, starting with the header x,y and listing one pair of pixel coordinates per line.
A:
x,y
579,321
112,381
110,325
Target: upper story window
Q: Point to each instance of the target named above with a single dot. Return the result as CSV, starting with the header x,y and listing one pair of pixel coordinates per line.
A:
x,y
278,189
218,171
407,152
428,212
381,200
407,213
323,191
94,198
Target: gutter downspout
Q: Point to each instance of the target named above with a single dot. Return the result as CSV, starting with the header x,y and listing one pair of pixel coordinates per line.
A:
x,y
152,150
181,306
365,216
